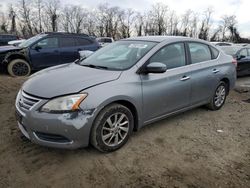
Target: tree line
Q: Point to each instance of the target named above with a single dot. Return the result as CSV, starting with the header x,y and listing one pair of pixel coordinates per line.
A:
x,y
29,17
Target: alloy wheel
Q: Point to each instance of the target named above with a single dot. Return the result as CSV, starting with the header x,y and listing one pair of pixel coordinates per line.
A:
x,y
20,69
220,96
115,129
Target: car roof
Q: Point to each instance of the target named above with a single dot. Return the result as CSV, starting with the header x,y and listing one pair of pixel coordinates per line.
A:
x,y
9,35
104,37
160,39
66,34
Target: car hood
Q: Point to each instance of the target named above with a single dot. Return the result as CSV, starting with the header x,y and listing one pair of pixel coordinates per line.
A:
x,y
66,79
8,48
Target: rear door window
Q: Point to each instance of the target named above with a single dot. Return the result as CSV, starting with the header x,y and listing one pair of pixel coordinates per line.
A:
x,y
83,41
215,52
199,52
172,56
67,42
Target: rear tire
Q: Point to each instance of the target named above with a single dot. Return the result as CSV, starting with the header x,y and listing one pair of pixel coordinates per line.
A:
x,y
219,97
19,67
112,128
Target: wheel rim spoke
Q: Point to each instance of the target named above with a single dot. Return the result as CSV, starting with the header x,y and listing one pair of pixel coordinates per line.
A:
x,y
121,118
107,129
105,137
124,123
125,129
109,122
116,139
111,138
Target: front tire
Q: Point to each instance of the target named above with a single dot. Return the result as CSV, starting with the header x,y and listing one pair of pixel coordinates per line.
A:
x,y
219,97
19,67
112,128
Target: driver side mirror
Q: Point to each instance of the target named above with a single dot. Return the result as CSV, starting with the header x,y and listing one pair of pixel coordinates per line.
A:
x,y
155,67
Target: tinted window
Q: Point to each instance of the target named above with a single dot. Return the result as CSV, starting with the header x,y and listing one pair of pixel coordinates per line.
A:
x,y
215,52
243,52
248,51
172,55
67,42
48,43
107,40
199,52
83,42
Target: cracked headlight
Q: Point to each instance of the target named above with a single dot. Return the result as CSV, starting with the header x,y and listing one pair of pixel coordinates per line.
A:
x,y
64,104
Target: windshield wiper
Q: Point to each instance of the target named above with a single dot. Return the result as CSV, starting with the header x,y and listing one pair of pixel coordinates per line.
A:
x,y
94,66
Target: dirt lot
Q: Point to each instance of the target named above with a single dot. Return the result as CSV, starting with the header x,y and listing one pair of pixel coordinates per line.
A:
x,y
181,151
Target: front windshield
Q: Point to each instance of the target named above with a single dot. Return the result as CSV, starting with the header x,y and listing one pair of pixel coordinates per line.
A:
x,y
120,55
30,41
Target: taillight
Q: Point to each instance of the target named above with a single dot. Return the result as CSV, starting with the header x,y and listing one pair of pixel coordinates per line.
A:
x,y
235,62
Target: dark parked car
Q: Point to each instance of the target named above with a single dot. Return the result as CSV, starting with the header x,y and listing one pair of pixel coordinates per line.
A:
x,y
242,55
5,38
45,50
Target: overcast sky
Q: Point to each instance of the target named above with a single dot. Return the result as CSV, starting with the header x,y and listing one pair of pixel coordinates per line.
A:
x,y
240,8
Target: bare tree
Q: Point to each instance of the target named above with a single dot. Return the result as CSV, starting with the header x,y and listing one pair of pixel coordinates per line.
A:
x,y
36,16
185,22
205,24
158,15
52,11
73,18
126,19
3,23
109,20
25,15
39,7
139,23
12,17
228,21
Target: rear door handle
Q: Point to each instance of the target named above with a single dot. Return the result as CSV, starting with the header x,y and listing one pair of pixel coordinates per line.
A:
x,y
215,71
184,78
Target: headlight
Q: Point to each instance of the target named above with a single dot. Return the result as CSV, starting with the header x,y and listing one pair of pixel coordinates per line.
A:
x,y
64,104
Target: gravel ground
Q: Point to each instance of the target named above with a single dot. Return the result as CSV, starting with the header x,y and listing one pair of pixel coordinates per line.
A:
x,y
186,150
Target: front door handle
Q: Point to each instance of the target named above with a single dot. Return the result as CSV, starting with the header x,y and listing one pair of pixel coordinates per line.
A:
x,y
184,78
216,71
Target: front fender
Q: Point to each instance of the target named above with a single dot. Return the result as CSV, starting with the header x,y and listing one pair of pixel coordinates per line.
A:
x,y
14,55
102,95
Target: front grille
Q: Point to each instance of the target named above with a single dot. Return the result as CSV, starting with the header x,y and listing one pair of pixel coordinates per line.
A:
x,y
26,101
52,137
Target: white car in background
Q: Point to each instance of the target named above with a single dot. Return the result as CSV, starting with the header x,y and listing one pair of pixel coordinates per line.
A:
x,y
16,42
104,41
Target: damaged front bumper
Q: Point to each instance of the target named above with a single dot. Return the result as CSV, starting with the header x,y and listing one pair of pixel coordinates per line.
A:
x,y
68,130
